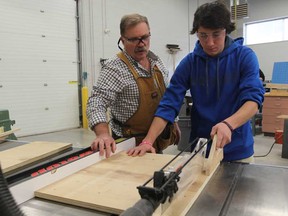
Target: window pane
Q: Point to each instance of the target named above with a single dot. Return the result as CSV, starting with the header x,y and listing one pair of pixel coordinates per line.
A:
x,y
264,32
286,29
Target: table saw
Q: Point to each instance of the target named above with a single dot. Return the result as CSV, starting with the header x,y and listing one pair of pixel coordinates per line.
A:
x,y
232,189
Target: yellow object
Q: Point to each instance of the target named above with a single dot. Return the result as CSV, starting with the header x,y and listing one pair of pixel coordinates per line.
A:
x,y
84,106
120,140
73,82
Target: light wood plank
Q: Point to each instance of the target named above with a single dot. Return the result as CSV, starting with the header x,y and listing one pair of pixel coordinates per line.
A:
x,y
111,184
276,86
7,133
283,116
26,154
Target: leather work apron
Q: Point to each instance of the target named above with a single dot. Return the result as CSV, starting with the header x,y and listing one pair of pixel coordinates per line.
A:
x,y
151,90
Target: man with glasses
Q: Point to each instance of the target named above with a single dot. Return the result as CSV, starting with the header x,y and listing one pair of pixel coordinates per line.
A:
x,y
223,78
131,84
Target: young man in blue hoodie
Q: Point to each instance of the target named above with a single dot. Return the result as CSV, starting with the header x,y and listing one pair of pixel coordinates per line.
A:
x,y
223,78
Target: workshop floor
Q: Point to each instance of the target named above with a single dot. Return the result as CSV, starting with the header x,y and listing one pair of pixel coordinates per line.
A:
x,y
82,138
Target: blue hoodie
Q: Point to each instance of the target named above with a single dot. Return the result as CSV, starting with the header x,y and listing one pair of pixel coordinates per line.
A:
x,y
219,86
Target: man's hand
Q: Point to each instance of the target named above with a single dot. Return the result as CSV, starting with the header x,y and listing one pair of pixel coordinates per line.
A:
x,y
104,143
224,134
141,149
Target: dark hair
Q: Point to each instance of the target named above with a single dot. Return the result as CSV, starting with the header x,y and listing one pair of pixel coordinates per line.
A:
x,y
213,15
131,20
261,75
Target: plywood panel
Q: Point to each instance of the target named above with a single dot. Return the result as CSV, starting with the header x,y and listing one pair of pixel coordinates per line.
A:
x,y
23,155
111,185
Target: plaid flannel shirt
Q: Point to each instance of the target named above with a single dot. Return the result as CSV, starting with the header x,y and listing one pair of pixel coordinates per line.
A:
x,y
117,90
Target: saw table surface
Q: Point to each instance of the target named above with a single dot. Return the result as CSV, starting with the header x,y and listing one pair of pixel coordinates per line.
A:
x,y
244,189
234,189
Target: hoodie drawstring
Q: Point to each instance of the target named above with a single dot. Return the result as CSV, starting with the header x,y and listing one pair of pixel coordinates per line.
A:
x,y
218,81
217,78
207,79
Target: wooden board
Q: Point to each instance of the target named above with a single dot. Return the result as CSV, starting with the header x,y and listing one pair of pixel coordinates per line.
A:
x,y
26,154
276,86
283,116
190,189
277,89
111,184
4,134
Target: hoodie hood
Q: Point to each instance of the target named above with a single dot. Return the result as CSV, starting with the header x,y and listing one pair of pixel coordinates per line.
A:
x,y
230,46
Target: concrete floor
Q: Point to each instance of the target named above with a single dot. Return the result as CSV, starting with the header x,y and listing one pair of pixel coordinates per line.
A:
x,y
83,137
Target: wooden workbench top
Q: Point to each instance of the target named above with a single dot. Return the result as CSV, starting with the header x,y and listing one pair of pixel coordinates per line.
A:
x,y
283,116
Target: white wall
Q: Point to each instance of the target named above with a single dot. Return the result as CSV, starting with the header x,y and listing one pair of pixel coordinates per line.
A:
x,y
170,22
267,53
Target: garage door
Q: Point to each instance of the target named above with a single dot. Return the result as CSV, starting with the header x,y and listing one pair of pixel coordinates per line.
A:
x,y
38,64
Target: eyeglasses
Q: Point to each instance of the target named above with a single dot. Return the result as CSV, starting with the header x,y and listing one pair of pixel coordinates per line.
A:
x,y
137,40
215,35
